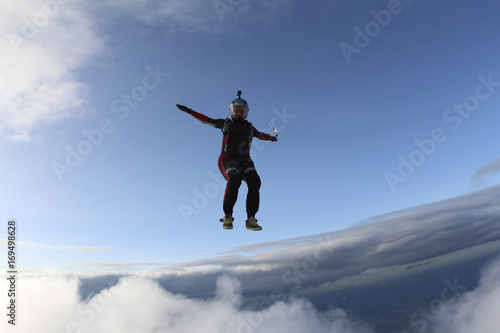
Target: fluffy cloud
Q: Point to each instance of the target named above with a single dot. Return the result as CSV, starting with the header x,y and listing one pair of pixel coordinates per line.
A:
x,y
51,303
475,311
43,44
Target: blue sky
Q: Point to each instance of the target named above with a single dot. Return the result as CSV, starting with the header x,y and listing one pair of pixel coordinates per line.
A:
x,y
347,123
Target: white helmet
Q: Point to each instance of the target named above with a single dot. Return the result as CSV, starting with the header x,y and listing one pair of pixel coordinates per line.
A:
x,y
238,109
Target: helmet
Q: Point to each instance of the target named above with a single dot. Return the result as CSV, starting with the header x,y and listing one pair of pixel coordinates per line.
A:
x,y
238,109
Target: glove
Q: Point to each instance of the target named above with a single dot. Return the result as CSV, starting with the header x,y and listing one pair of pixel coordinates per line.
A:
x,y
273,138
183,108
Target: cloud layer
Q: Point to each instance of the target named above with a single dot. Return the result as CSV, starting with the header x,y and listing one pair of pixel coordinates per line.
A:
x,y
269,287
50,303
397,240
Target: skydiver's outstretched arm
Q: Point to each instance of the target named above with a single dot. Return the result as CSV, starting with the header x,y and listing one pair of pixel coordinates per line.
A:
x,y
217,123
263,136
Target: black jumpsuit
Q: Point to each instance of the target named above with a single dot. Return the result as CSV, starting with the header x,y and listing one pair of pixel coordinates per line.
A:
x,y
235,163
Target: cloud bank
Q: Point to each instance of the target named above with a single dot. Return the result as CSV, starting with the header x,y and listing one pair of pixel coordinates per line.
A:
x,y
50,303
269,287
395,241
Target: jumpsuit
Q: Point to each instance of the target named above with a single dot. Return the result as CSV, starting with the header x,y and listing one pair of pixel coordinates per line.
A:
x,y
234,161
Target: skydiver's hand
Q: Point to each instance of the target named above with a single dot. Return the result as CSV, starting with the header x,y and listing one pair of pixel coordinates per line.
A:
x,y
183,108
274,138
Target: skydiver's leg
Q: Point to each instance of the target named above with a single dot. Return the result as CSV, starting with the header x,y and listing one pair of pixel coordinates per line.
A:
x,y
230,170
252,179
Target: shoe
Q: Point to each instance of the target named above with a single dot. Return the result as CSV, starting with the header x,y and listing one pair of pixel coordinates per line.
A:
x,y
252,224
227,222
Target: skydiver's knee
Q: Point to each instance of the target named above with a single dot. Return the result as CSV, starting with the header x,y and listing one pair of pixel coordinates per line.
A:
x,y
253,180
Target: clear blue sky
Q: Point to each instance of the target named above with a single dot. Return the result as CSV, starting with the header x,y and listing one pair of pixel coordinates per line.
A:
x,y
351,85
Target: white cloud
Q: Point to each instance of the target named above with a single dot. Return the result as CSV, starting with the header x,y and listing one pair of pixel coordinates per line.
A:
x,y
46,43
43,45
51,303
482,174
476,311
